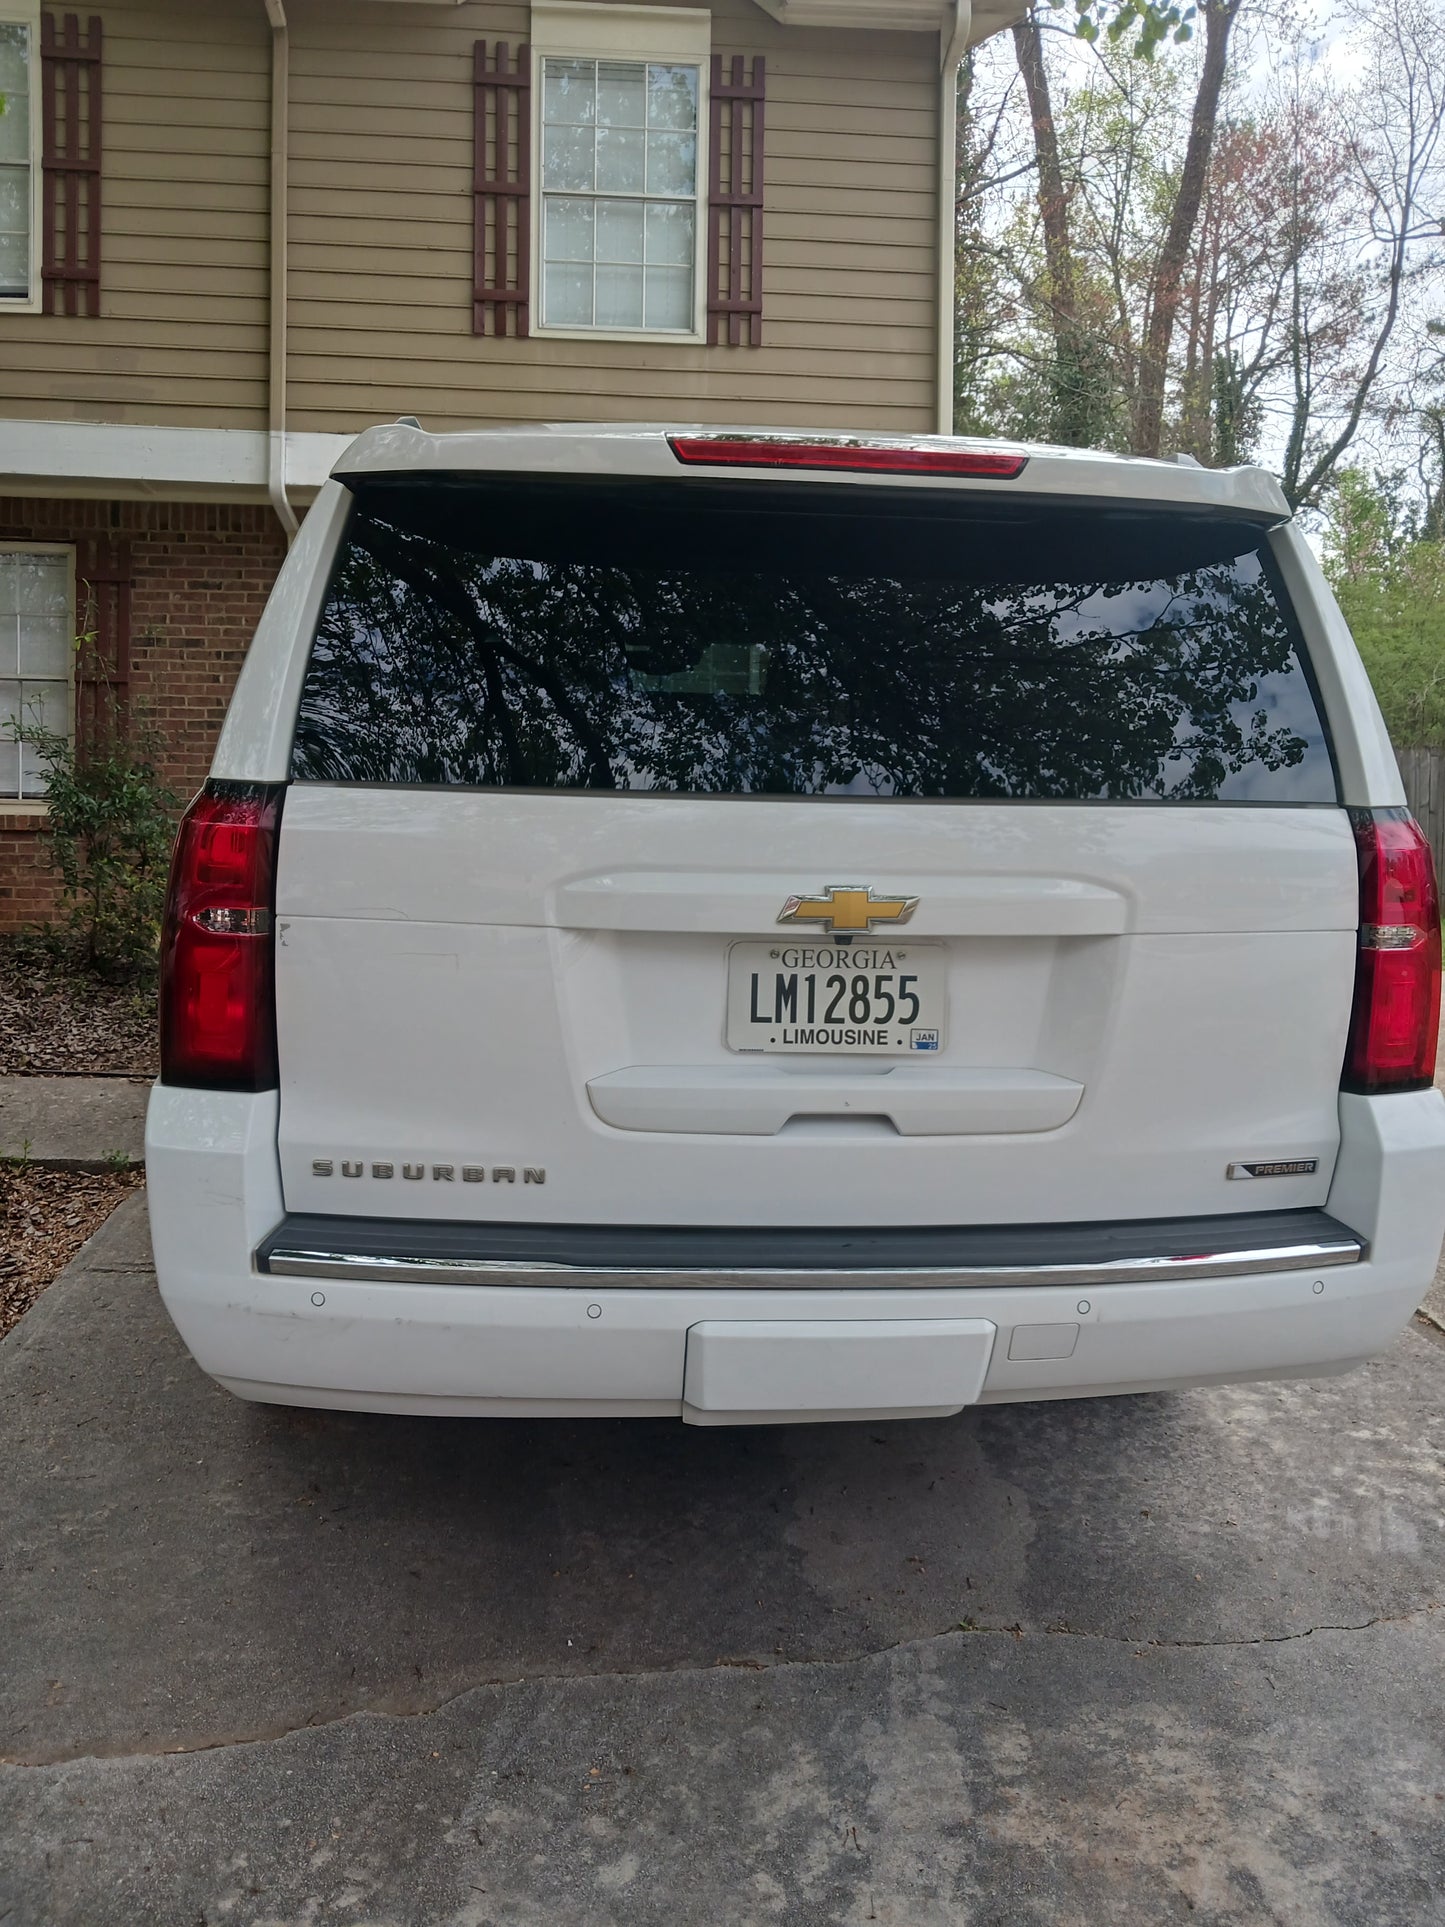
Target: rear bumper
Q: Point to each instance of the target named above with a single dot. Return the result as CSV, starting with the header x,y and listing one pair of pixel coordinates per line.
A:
x,y
583,1257
525,1341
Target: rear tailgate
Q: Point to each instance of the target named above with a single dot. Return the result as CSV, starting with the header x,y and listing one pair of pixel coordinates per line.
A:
x,y
568,752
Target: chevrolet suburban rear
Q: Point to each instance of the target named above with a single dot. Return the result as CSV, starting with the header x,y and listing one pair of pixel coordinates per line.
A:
x,y
757,926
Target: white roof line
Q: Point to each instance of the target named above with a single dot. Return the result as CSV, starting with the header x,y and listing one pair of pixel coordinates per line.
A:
x,y
126,459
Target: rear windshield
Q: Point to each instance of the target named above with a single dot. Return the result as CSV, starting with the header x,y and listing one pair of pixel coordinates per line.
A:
x,y
727,639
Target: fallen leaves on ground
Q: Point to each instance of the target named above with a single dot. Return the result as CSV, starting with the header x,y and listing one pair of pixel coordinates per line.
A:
x,y
45,1217
54,1019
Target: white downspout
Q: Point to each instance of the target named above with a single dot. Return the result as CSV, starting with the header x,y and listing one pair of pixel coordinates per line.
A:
x,y
276,411
952,45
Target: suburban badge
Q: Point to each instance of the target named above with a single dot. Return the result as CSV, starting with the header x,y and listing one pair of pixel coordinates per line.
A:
x,y
440,1173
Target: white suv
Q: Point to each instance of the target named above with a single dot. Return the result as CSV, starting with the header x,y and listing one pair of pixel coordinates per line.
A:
x,y
759,926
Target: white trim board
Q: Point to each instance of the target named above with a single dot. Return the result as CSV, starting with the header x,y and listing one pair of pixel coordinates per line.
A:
x,y
566,29
890,16
894,16
116,459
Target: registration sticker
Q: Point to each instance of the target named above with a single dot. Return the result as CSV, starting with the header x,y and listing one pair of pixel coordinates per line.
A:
x,y
923,1040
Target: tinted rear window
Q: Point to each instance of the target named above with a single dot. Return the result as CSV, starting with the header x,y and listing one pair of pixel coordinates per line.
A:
x,y
723,639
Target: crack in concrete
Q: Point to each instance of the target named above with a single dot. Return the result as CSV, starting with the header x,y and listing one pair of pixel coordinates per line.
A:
x,y
960,1630
1193,1645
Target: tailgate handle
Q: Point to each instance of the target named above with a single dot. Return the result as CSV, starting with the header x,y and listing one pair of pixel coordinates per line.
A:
x,y
750,1100
732,904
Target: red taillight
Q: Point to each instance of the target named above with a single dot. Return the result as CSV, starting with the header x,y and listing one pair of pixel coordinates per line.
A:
x,y
870,456
218,1005
1396,1017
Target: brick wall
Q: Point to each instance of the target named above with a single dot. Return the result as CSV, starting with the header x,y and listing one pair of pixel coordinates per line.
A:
x,y
26,891
201,572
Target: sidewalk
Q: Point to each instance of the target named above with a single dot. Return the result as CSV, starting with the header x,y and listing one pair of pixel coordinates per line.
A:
x,y
73,1123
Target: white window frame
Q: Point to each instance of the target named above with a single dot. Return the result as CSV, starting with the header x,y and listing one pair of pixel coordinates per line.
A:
x,y
26,13
38,805
587,30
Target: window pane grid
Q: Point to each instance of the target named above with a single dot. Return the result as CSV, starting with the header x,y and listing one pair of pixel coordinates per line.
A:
x,y
619,200
36,656
16,158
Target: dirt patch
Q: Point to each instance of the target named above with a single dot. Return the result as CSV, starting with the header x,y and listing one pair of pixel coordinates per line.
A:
x,y
55,1020
45,1217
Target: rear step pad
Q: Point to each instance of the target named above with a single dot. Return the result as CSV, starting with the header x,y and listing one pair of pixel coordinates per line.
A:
x,y
312,1245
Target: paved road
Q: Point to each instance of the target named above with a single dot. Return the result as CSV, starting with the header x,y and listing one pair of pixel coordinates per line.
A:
x,y
1147,1660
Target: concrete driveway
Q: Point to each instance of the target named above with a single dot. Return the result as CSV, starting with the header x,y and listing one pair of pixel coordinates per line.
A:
x,y
1138,1660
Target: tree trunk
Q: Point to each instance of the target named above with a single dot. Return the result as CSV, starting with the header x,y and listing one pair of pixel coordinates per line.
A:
x,y
1076,411
1433,526
1053,201
1164,288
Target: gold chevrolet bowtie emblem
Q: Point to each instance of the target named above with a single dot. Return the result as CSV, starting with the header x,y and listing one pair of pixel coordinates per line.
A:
x,y
847,906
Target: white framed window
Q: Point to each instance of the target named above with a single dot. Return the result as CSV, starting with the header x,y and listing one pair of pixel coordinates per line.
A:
x,y
19,155
620,166
37,657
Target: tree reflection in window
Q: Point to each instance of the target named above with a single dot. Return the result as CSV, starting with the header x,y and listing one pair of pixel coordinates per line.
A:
x,y
440,663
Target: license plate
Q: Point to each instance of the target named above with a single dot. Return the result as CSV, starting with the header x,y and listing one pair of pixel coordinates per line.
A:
x,y
855,999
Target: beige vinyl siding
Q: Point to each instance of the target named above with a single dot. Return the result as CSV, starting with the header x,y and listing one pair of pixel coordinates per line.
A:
x,y
381,235
380,308
181,334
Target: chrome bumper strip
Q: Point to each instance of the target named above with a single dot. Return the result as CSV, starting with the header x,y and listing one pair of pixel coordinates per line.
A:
x,y
300,1262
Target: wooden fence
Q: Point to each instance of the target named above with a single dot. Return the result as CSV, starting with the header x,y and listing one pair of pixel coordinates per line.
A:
x,y
1423,771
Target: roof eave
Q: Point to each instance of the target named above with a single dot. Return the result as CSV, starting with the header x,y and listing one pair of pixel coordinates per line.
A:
x,y
894,16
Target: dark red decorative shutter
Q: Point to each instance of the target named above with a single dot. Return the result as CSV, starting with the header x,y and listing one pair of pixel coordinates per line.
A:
x,y
102,615
735,206
70,95
502,122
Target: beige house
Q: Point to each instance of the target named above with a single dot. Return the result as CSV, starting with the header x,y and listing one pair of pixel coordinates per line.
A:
x,y
234,232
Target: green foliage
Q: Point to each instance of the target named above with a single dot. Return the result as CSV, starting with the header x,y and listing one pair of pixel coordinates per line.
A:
x,y
108,837
1277,316
1027,365
1150,23
1085,403
1238,412
1390,580
1065,395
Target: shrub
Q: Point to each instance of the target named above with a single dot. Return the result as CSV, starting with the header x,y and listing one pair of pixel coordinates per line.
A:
x,y
1390,580
1398,619
108,837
